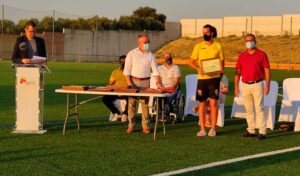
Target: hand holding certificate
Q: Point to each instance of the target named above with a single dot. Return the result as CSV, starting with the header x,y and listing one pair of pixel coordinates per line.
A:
x,y
38,60
211,66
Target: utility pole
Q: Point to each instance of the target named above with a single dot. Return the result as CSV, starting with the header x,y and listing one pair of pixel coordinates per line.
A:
x,y
290,44
53,23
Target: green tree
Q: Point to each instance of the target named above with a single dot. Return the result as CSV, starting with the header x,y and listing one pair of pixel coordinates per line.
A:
x,y
144,12
125,22
46,24
9,27
83,24
146,18
61,23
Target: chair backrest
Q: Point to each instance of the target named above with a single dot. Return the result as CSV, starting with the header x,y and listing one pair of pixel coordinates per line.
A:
x,y
191,84
290,89
271,98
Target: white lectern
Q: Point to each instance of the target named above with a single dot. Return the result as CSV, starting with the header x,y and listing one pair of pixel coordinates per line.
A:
x,y
29,98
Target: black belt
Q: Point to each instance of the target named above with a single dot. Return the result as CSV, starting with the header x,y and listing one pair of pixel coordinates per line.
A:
x,y
253,82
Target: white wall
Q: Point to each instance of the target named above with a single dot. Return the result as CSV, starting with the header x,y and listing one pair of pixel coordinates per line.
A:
x,y
239,25
108,45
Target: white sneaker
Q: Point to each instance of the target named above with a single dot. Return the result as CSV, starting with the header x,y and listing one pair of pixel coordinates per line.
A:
x,y
115,118
124,118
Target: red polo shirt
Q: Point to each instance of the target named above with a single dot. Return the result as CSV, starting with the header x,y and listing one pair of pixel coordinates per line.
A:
x,y
252,66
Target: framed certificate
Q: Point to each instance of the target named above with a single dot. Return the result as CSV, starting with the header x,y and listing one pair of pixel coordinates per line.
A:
x,y
211,66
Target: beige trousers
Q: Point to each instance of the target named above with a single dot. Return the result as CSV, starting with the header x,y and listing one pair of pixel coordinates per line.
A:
x,y
144,102
253,96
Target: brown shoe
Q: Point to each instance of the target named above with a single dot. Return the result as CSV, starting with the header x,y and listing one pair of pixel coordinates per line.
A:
x,y
146,130
130,129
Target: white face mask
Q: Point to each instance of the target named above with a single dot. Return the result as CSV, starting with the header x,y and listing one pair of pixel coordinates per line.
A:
x,y
146,46
250,44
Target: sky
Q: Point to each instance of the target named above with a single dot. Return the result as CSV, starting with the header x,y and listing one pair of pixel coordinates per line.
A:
x,y
173,9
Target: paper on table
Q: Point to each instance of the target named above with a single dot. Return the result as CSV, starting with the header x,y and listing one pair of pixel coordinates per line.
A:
x,y
38,60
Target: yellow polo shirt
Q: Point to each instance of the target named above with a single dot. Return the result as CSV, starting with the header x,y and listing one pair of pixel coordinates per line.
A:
x,y
119,78
203,51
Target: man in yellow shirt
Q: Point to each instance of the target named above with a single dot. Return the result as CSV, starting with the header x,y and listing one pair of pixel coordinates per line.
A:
x,y
117,79
208,84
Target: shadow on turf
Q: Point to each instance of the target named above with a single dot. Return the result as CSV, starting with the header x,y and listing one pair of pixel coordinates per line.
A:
x,y
102,122
241,168
25,154
85,123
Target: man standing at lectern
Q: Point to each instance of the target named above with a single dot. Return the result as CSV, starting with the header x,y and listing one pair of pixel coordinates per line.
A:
x,y
28,46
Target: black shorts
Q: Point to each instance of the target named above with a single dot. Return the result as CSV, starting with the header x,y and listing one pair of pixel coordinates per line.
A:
x,y
208,88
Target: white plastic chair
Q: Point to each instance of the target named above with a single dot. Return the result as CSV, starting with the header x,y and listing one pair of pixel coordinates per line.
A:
x,y
270,104
191,87
290,106
221,112
238,109
120,104
221,115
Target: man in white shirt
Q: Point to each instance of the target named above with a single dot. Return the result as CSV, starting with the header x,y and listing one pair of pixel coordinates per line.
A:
x,y
169,72
138,65
170,76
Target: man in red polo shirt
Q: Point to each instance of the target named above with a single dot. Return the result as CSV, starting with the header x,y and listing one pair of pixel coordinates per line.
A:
x,y
253,66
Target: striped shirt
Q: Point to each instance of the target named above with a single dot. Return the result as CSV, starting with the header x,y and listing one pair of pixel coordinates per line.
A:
x,y
139,64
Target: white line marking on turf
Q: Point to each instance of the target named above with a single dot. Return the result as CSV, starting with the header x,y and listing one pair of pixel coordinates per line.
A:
x,y
229,161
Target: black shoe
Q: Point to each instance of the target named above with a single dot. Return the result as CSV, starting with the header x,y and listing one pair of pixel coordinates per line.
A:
x,y
261,137
246,135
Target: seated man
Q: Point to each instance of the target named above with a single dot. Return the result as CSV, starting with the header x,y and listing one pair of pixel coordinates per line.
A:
x,y
117,79
170,78
222,97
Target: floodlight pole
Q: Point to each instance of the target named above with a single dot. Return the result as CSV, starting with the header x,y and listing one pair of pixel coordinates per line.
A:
x,y
2,31
246,30
290,43
53,23
96,37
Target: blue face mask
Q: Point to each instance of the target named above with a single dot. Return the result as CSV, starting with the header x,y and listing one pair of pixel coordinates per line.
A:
x,y
250,44
146,46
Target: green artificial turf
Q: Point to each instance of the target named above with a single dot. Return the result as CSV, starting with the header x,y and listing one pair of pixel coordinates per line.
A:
x,y
104,148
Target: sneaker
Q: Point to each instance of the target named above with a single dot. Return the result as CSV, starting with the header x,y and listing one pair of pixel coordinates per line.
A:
x,y
115,118
261,137
212,133
201,133
124,118
146,130
246,135
130,129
